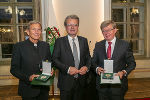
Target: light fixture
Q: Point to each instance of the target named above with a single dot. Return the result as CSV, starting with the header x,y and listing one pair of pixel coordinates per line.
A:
x,y
9,10
124,1
134,11
22,12
3,30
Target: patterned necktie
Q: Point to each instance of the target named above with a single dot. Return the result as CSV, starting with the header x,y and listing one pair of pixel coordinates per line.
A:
x,y
109,50
75,55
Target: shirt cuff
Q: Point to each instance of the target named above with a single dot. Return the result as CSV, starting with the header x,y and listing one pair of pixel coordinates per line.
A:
x,y
68,70
124,72
96,69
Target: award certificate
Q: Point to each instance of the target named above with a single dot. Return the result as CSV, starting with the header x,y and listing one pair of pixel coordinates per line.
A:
x,y
109,77
108,66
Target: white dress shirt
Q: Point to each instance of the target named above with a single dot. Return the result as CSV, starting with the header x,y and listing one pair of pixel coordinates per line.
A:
x,y
77,45
71,45
112,45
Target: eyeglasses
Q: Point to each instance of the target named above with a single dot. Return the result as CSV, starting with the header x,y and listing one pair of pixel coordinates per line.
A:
x,y
105,31
34,29
72,25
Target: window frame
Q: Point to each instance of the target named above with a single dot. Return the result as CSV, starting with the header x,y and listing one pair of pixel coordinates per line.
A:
x,y
129,5
14,24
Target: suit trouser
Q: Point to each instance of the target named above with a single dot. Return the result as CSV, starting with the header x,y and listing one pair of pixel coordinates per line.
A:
x,y
43,95
76,92
110,92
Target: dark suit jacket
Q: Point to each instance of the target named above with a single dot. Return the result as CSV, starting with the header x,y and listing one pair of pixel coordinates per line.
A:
x,y
122,56
63,59
25,62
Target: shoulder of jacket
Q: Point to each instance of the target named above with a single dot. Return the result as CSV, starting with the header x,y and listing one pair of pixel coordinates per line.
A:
x,y
101,42
43,42
21,43
61,38
82,37
123,41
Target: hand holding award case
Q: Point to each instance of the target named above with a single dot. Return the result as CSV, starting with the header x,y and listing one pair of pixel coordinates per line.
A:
x,y
45,78
109,77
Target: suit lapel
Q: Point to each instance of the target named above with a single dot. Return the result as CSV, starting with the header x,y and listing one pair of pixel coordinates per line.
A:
x,y
104,49
115,49
80,46
67,46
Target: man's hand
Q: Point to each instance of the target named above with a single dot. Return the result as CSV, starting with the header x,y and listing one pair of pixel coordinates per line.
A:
x,y
120,74
41,69
32,77
83,70
52,72
73,70
100,70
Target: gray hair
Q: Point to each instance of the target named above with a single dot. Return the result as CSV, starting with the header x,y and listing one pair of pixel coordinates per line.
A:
x,y
33,22
106,23
71,17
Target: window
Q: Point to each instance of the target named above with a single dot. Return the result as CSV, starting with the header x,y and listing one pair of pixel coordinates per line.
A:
x,y
14,16
129,16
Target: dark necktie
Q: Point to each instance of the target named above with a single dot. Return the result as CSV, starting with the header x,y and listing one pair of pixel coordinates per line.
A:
x,y
109,50
75,55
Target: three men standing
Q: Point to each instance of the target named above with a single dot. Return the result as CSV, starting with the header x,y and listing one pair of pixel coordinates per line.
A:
x,y
72,58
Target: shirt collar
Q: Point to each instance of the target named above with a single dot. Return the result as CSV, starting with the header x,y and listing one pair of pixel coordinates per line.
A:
x,y
31,43
113,41
70,38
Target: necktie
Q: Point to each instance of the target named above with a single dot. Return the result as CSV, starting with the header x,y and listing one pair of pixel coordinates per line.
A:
x,y
109,50
75,55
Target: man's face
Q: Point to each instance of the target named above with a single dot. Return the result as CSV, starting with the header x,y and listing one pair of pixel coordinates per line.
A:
x,y
34,32
109,32
72,27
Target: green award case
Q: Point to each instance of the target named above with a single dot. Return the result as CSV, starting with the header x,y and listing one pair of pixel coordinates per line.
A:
x,y
107,76
43,77
48,82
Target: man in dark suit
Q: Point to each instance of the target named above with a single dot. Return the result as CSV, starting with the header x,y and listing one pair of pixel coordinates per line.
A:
x,y
72,58
26,63
123,62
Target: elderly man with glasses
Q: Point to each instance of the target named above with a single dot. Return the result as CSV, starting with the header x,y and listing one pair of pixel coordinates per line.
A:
x,y
120,53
